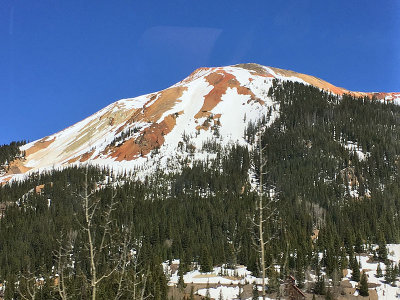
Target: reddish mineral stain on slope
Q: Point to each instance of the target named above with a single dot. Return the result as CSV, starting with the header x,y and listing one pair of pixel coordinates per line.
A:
x,y
311,80
151,138
39,145
17,167
322,84
167,99
221,80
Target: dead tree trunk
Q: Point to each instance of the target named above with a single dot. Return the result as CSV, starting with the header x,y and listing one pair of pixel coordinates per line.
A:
x,y
260,209
265,208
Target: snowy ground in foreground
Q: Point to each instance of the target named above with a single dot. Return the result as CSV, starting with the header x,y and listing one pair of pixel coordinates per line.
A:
x,y
228,283
385,291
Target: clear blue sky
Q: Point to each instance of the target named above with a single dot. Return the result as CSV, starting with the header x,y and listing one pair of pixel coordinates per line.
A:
x,y
62,60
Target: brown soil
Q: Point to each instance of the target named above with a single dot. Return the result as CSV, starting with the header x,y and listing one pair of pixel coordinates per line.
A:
x,y
39,145
221,80
312,80
17,167
255,69
39,188
4,180
74,159
322,84
167,99
86,156
194,73
151,138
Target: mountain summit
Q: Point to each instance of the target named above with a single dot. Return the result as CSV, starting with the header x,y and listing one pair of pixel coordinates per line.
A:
x,y
149,130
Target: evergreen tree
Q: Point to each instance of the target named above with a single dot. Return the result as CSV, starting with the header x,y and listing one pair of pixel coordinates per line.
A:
x,y
181,283
273,281
255,291
382,248
320,286
379,270
221,296
395,271
358,247
389,278
355,276
364,285
205,261
329,295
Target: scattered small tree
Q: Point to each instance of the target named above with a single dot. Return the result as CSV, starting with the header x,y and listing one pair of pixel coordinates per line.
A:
x,y
355,276
181,283
320,286
328,295
379,271
255,291
221,296
364,285
382,249
391,273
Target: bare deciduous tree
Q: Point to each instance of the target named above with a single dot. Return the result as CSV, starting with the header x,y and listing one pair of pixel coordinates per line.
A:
x,y
104,240
266,207
28,286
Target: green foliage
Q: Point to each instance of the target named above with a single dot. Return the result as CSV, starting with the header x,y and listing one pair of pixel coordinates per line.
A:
x,y
9,152
382,249
320,288
181,283
203,213
255,292
391,273
273,281
379,271
364,285
355,276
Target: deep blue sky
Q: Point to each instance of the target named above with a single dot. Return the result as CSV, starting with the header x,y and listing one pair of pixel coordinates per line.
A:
x,y
62,60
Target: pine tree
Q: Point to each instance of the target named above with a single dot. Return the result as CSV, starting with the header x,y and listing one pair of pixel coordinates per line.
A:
x,y
364,285
388,272
320,286
329,295
355,276
358,247
181,283
255,291
395,271
382,249
379,270
221,296
206,261
273,281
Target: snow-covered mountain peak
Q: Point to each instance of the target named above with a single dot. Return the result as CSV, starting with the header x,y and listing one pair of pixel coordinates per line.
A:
x,y
210,104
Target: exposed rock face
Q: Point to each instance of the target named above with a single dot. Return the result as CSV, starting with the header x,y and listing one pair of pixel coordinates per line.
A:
x,y
209,102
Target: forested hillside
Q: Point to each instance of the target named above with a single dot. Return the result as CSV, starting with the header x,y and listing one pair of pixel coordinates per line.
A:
x,y
332,163
9,152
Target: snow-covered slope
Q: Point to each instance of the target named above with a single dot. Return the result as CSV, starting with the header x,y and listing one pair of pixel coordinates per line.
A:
x,y
153,129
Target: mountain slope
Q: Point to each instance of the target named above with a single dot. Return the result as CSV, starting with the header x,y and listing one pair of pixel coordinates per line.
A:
x,y
149,130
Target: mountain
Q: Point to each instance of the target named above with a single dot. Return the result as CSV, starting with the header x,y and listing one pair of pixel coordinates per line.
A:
x,y
148,131
330,165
